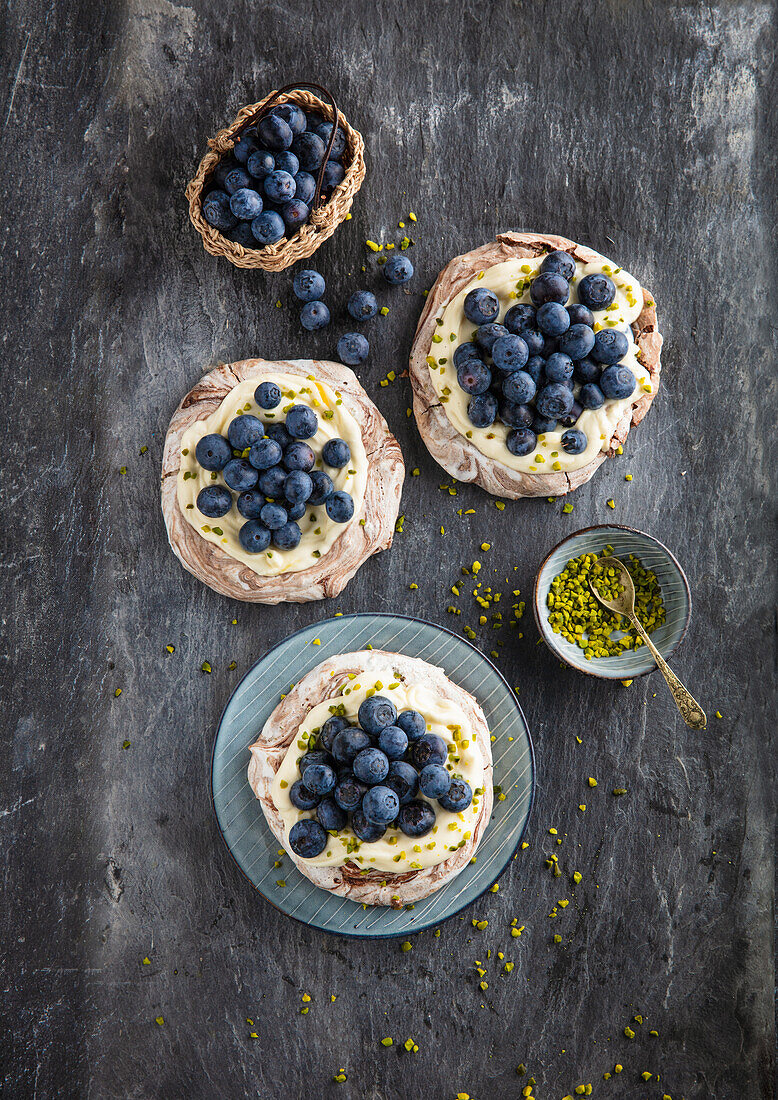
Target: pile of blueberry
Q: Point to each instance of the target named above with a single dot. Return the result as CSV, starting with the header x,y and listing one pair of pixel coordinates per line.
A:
x,y
545,363
265,189
271,469
368,776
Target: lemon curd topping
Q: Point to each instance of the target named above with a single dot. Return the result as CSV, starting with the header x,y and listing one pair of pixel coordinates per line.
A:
x,y
510,281
394,852
319,532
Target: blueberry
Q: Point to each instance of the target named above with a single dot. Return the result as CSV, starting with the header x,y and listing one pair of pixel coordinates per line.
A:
x,y
468,350
305,187
288,536
250,503
301,422
271,482
240,475
380,805
542,424
392,741
339,144
339,506
334,174
260,164
265,453
412,723
397,270
337,453
287,162
553,319
458,798
348,743
617,382
482,410
518,387
222,170
331,817
554,400
298,486
521,441
549,287
279,186
362,305
568,419
307,839
366,831
403,780
322,487
591,396
213,452
353,348
319,778
301,797
559,367
515,416
574,441
254,538
242,235
273,516
586,370
577,342
580,315
267,395
299,456
559,263
481,306
330,729
314,757
535,340
610,345
596,292
377,712
416,818
244,431
434,780
279,433
214,501
295,214
314,316
349,793
246,204
268,228
487,335
509,352
245,147
474,376
293,116
237,180
519,317
371,766
534,367
429,749
216,211
309,150
294,512
274,133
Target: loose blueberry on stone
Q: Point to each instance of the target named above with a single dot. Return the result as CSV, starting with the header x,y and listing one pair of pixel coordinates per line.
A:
x,y
392,741
254,537
610,345
377,712
305,187
287,162
559,367
574,441
353,349
274,133
298,487
322,487
510,352
307,838
428,749
273,516
295,214
366,831
482,410
553,319
216,211
577,342
519,317
246,204
458,797
362,305
260,164
213,452
580,315
237,180
416,818
268,228
591,396
319,778
240,475
309,150
617,382
267,395
474,376
265,453
487,335
554,400
299,456
214,501
412,723
301,422
519,387
515,416
309,286
334,174
586,370
371,766
521,441
348,743
535,340
481,306
271,482
403,780
380,805
596,292
434,780
397,270
314,316
279,186
301,797
559,263
549,287
468,350
244,431
349,793
250,503
336,453
330,815
339,144
339,506
293,116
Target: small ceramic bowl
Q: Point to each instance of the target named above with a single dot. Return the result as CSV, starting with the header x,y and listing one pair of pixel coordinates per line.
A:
x,y
672,580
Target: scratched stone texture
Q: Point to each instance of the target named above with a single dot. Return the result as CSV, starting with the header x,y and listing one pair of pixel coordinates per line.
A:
x,y
644,129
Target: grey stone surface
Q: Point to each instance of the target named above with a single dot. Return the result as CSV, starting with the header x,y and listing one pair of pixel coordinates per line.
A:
x,y
644,129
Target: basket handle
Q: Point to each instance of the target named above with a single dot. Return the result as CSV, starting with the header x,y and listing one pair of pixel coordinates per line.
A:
x,y
266,108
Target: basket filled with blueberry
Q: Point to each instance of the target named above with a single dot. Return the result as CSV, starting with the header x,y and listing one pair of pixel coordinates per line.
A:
x,y
278,180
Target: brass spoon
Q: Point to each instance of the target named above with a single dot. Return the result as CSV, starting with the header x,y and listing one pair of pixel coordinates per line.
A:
x,y
624,604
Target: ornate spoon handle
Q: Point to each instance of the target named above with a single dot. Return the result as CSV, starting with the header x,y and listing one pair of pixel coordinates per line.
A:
x,y
691,711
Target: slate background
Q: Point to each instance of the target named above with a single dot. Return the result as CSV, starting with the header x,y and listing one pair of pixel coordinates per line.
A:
x,y
643,129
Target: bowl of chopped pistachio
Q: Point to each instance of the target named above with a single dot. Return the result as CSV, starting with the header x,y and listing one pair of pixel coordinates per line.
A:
x,y
576,627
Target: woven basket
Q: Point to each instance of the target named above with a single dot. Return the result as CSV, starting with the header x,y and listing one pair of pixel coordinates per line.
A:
x,y
325,217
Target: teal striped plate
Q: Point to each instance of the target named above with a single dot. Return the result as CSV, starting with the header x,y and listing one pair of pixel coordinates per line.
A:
x,y
239,815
